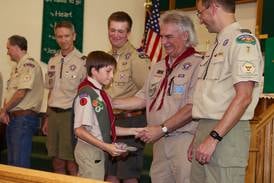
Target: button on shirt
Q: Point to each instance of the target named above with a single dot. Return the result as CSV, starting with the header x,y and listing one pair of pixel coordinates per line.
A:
x,y
235,57
63,78
84,112
179,90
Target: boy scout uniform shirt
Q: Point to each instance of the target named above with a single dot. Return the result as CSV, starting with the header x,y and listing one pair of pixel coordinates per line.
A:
x,y
27,74
84,113
179,91
131,72
63,80
235,57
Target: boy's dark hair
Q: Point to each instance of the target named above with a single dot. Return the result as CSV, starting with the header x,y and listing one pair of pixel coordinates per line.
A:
x,y
121,16
99,59
66,24
19,41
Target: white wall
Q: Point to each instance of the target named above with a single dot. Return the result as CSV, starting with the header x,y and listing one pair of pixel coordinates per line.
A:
x,y
24,17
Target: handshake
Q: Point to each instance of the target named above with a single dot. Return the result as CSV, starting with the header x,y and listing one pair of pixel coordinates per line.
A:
x,y
148,134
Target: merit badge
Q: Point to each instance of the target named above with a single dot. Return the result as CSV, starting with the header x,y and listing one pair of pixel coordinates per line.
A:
x,y
247,68
98,105
72,67
225,42
246,39
83,101
186,66
127,56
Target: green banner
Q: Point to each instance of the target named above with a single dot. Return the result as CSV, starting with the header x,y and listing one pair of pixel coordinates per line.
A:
x,y
56,11
269,66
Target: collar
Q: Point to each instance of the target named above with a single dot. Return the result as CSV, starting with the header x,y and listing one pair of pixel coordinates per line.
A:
x,y
95,82
228,30
123,49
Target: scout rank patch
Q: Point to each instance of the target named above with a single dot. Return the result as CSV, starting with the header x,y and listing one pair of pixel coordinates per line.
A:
x,y
246,39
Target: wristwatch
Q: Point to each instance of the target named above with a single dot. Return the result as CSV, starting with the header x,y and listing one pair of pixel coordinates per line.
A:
x,y
215,135
164,129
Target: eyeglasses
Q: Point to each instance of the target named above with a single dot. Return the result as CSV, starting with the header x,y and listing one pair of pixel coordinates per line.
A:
x,y
198,13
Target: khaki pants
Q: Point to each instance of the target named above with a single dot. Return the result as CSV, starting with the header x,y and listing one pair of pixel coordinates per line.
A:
x,y
229,159
170,163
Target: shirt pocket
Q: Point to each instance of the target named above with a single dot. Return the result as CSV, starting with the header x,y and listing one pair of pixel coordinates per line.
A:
x,y
122,74
178,86
154,86
211,69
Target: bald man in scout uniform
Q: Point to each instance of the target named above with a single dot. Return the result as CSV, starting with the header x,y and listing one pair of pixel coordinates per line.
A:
x,y
22,103
225,96
129,77
167,96
65,72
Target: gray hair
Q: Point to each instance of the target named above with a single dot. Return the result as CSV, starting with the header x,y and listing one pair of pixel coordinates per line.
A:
x,y
184,23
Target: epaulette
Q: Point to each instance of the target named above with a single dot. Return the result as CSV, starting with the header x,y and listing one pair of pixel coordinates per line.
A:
x,y
245,31
198,54
84,57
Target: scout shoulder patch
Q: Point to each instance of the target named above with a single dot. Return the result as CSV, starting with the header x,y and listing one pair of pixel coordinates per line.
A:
x,y
246,39
247,68
83,99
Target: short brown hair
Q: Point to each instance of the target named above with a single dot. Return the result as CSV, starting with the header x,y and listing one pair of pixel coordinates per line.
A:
x,y
227,5
99,59
65,24
121,16
19,41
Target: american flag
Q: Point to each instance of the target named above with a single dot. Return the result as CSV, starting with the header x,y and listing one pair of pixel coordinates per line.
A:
x,y
152,43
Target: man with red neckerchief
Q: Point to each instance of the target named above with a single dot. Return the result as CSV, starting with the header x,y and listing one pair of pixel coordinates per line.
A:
x,y
167,96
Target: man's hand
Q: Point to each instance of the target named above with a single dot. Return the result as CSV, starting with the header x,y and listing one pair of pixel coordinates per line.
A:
x,y
205,150
150,134
4,117
45,126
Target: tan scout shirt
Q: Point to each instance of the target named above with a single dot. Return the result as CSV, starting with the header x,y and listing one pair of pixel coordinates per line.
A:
x,y
63,80
131,72
26,75
179,91
235,57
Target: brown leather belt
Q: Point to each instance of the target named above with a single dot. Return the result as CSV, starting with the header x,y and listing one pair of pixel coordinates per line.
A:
x,y
128,114
59,110
18,113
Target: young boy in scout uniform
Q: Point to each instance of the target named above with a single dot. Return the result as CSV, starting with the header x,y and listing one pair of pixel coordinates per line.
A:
x,y
65,72
129,77
94,119
22,103
167,96
225,96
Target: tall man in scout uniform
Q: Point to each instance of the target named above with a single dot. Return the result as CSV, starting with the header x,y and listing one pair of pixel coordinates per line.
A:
x,y
167,96
131,71
225,96
22,103
65,72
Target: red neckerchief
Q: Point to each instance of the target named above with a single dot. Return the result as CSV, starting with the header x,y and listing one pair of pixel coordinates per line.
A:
x,y
108,105
189,51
